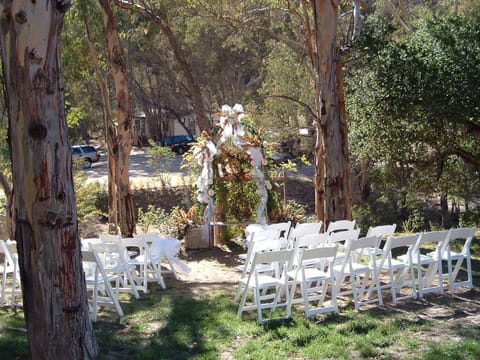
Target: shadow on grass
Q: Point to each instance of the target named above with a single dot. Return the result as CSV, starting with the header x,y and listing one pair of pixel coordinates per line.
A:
x,y
164,326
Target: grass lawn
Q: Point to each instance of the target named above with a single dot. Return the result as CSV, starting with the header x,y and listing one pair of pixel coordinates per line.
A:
x,y
166,325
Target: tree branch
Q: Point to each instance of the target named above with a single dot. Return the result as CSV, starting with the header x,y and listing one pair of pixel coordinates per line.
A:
x,y
301,103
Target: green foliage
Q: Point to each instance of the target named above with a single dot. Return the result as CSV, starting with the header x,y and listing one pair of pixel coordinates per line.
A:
x,y
3,203
171,224
91,199
162,159
470,217
412,107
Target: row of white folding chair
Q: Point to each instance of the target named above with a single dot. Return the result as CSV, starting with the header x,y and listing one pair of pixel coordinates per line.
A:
x,y
115,261
99,282
420,268
315,271
10,286
136,253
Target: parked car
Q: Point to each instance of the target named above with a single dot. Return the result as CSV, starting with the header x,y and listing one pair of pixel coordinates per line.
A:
x,y
178,143
87,153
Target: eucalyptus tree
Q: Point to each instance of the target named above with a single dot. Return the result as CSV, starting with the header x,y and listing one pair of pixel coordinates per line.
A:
x,y
315,38
46,228
119,135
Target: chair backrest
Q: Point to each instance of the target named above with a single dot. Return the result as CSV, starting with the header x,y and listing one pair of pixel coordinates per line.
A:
x,y
343,236
382,230
369,243
311,241
282,227
269,257
340,225
429,239
465,234
85,242
302,229
93,265
322,252
109,238
149,237
406,242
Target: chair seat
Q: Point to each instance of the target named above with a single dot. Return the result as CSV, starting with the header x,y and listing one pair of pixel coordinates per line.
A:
x,y
424,259
260,268
264,281
311,274
395,264
355,267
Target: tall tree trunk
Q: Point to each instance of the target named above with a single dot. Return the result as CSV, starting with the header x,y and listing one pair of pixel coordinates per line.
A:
x,y
121,149
332,181
110,133
46,229
446,221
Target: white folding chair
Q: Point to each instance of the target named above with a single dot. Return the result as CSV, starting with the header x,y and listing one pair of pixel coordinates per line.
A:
x,y
382,230
257,246
150,238
362,272
429,263
315,281
259,235
148,266
462,237
267,288
341,238
340,225
302,229
10,272
397,261
283,227
310,241
115,263
99,283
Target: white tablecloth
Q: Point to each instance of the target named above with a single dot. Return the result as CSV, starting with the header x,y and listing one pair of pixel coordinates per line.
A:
x,y
169,248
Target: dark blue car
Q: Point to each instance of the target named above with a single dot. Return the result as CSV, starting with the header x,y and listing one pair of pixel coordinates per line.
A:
x,y
178,143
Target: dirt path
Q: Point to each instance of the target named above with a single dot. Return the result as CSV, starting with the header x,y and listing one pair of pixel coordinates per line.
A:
x,y
211,270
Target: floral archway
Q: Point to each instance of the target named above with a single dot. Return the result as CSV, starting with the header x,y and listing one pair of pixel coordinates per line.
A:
x,y
205,151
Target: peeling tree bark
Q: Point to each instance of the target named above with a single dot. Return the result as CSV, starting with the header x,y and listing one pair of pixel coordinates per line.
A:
x,y
46,228
123,145
333,197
